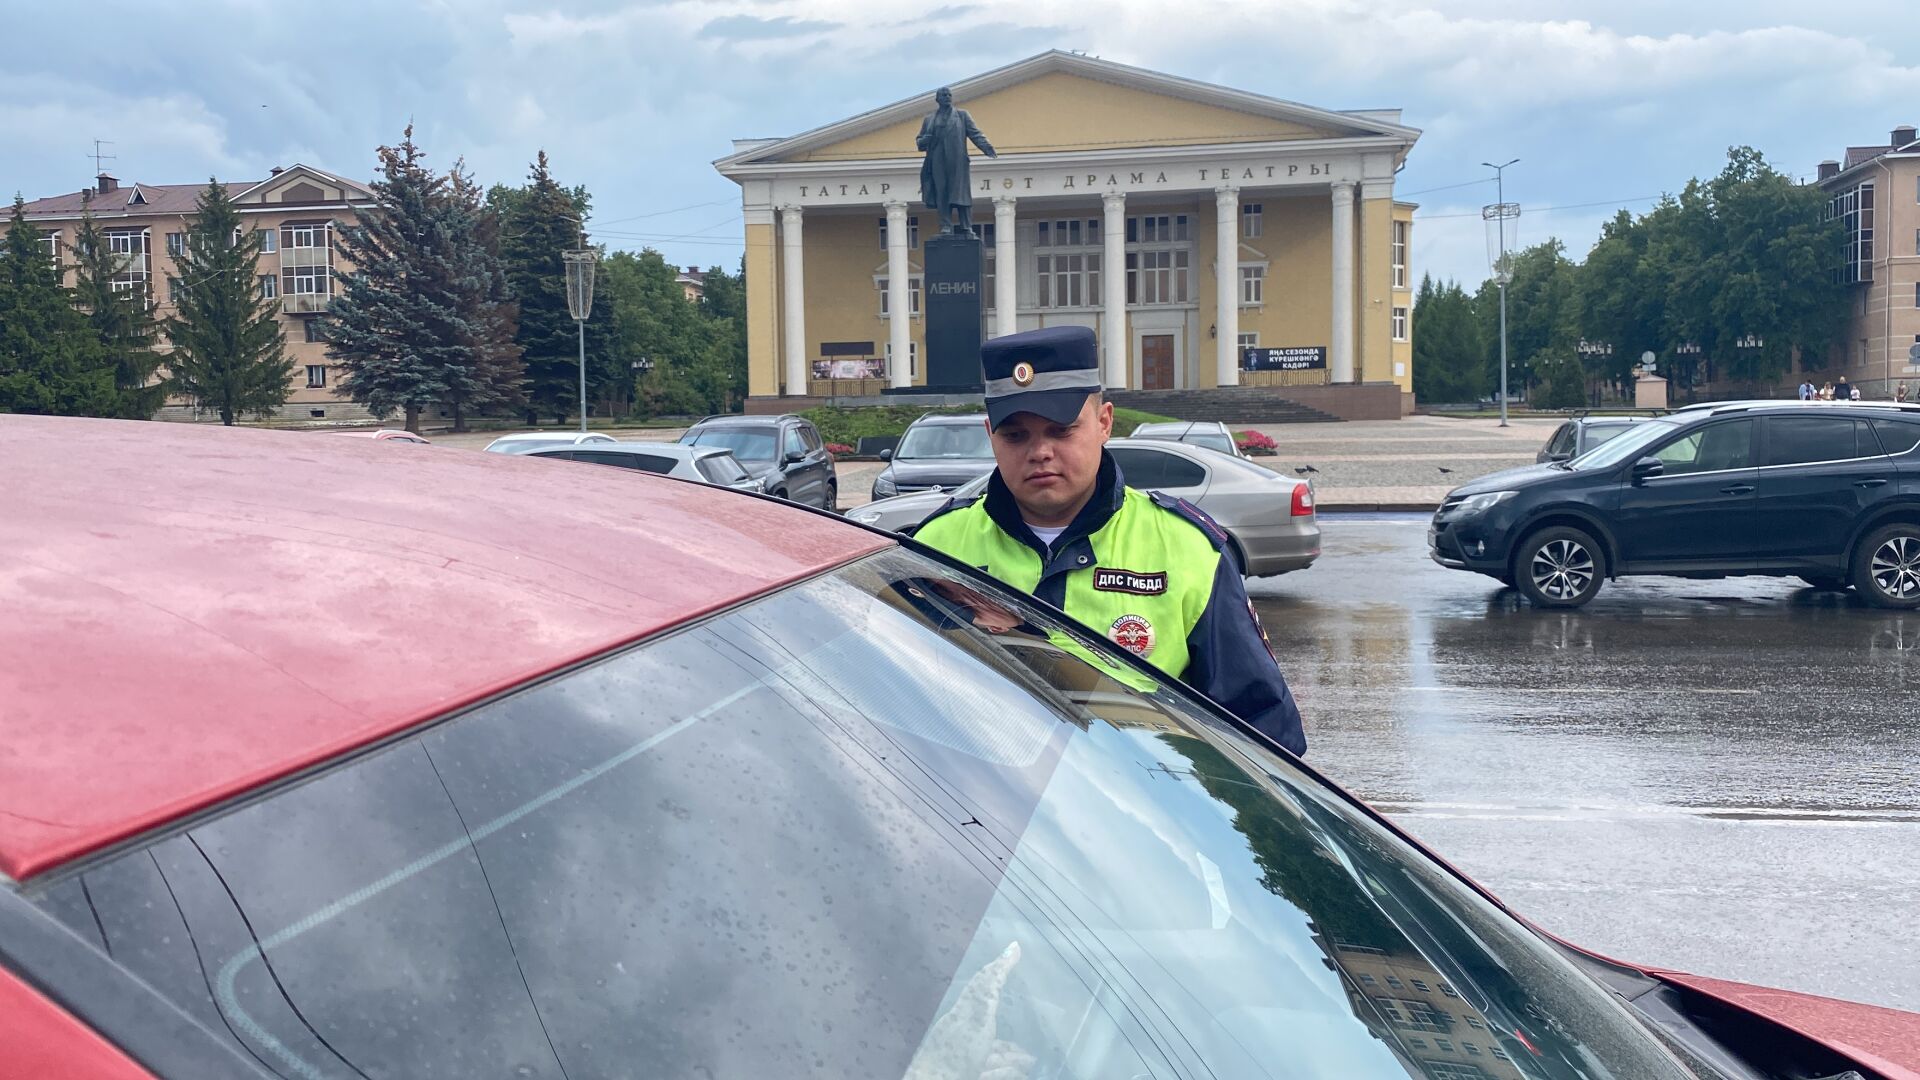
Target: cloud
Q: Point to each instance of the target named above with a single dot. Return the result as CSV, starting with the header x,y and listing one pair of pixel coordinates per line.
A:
x,y
751,27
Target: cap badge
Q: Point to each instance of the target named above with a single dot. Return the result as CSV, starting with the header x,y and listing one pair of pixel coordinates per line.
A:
x,y
1023,374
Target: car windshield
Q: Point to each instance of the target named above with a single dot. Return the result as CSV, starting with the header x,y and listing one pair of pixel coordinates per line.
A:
x,y
747,444
1604,433
528,446
888,822
946,441
1628,444
721,469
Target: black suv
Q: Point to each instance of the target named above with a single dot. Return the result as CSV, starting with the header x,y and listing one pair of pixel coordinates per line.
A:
x,y
785,453
1828,493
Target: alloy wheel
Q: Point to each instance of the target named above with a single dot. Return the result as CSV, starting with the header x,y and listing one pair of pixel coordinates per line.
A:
x,y
1562,569
1896,567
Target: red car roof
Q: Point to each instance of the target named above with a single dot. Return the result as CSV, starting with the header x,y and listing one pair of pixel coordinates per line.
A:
x,y
190,612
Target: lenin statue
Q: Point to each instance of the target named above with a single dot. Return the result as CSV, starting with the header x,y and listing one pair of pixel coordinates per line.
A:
x,y
945,180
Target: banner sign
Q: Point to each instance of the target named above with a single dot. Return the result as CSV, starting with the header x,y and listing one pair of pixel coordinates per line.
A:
x,y
1293,358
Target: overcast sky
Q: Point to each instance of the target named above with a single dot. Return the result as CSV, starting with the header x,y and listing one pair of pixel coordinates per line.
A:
x,y
1607,105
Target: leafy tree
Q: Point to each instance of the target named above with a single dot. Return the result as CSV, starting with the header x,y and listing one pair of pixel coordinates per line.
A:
x,y
51,361
1449,356
122,319
723,299
228,354
1542,316
538,223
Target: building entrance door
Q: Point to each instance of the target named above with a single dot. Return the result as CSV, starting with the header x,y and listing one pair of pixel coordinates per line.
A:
x,y
1156,362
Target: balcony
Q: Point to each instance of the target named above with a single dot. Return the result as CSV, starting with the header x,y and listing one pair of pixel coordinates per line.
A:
x,y
303,303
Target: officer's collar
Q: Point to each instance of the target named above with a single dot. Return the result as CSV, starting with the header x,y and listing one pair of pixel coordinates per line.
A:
x,y
1109,491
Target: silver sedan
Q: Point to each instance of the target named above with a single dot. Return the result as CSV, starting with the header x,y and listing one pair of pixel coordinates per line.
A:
x,y
1270,517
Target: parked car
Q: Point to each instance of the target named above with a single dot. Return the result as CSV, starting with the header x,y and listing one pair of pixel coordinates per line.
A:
x,y
704,464
1828,493
936,453
1211,434
1581,434
1270,517
398,435
784,453
527,442
697,786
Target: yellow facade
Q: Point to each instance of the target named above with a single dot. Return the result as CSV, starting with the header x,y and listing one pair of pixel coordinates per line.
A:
x,y
1078,137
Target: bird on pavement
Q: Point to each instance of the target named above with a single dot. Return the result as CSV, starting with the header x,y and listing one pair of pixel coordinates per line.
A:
x,y
1444,471
1304,470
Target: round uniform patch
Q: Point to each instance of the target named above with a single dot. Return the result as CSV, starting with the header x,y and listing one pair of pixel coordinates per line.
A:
x,y
1023,374
1134,634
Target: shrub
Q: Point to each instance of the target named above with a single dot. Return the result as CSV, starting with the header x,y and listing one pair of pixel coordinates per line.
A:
x,y
1256,444
838,449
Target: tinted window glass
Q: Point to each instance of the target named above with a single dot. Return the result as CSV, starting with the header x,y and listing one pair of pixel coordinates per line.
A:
x,y
794,445
1562,441
811,437
1601,433
747,444
527,446
1212,440
720,469
652,463
946,441
1152,470
1713,448
837,833
1897,436
1798,440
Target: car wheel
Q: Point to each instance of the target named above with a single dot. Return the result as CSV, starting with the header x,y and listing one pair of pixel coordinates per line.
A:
x,y
832,505
1825,584
1886,566
1560,567
779,493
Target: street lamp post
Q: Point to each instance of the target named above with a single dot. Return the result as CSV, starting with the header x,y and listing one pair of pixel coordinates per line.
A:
x,y
579,266
1499,214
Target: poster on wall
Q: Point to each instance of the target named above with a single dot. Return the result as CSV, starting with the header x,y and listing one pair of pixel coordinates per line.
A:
x,y
1286,358
866,368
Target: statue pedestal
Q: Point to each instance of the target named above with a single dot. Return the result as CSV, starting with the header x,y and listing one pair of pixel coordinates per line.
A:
x,y
1650,392
956,314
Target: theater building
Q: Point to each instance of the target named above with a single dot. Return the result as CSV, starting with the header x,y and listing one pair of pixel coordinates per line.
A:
x,y
1185,223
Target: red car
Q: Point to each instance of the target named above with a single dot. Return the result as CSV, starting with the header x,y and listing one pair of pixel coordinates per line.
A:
x,y
316,766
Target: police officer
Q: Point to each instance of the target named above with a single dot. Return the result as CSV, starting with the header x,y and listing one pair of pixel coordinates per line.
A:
x,y
1153,573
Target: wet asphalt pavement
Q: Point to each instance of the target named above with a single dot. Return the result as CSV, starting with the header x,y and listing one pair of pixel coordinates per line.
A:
x,y
1720,777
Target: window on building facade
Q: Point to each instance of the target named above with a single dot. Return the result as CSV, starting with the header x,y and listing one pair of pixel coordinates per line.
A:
x,y
1250,219
1159,229
1159,259
1252,341
267,245
268,289
913,295
1853,208
176,244
913,233
986,265
1078,232
51,244
312,330
316,375
1399,324
1253,285
173,290
1067,281
134,250
1399,254
306,265
913,358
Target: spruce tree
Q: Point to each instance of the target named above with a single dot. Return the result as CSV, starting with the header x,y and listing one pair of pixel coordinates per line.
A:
x,y
538,223
122,318
496,377
228,354
396,328
51,361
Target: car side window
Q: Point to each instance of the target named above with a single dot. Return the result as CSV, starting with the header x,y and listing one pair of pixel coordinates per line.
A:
x,y
1603,433
1804,440
1152,470
643,462
1562,441
1897,436
812,438
794,444
1714,448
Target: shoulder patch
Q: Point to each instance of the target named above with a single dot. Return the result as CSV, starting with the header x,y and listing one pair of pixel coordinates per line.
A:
x,y
946,508
1199,518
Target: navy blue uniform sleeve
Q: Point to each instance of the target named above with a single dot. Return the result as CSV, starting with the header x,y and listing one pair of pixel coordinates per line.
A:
x,y
1229,661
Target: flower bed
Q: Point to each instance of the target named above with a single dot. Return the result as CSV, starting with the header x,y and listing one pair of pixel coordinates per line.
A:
x,y
1256,444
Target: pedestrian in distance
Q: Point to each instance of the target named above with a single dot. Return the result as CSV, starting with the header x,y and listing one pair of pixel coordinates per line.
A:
x,y
1806,390
1900,395
1855,396
1843,390
1826,391
1151,573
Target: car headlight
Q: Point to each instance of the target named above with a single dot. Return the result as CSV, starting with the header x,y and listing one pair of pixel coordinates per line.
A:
x,y
865,517
1474,504
885,488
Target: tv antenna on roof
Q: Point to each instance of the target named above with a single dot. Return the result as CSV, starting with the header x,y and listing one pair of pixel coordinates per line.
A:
x,y
100,159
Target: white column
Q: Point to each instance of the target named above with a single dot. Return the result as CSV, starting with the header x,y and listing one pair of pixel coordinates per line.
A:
x,y
1340,348
1113,282
1006,263
899,299
793,306
1226,283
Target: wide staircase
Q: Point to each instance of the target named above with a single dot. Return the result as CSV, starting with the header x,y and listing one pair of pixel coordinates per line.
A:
x,y
1237,405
